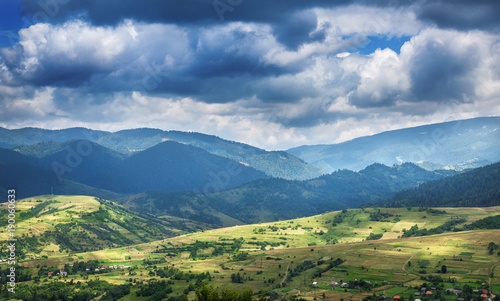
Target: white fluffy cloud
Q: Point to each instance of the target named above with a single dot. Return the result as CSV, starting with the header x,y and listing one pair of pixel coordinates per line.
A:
x,y
238,81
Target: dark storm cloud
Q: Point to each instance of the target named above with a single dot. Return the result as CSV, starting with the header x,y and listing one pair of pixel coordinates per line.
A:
x,y
111,12
297,29
463,14
437,74
293,26
453,14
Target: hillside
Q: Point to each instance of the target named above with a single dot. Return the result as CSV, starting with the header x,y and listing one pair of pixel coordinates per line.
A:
x,y
478,187
171,166
358,247
274,199
168,166
29,178
53,225
458,145
178,204
273,164
39,143
29,136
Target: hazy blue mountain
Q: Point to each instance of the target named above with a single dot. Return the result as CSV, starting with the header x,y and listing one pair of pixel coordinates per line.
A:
x,y
78,160
457,144
8,156
272,163
128,142
172,166
275,199
168,166
29,178
28,136
479,187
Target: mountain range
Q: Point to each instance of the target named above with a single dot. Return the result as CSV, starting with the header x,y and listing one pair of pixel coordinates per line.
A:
x,y
40,142
221,182
457,145
168,166
278,199
478,187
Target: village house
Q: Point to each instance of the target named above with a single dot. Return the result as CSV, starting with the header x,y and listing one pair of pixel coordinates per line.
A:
x,y
333,283
344,285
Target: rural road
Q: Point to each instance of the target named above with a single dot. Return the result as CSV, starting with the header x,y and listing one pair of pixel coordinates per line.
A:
x,y
489,280
286,274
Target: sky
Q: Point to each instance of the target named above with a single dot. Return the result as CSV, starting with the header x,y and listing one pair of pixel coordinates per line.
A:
x,y
273,74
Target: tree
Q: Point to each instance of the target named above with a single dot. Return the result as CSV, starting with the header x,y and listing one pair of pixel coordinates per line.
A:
x,y
492,247
209,293
444,269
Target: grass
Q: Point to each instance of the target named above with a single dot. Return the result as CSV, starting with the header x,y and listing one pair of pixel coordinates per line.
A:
x,y
287,244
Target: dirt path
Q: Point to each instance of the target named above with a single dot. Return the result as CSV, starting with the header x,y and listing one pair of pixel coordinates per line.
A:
x,y
489,280
406,262
286,274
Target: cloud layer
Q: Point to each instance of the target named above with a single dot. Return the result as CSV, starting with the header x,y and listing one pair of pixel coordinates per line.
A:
x,y
274,75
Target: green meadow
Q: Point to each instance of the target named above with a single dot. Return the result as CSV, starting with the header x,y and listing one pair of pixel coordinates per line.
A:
x,y
364,248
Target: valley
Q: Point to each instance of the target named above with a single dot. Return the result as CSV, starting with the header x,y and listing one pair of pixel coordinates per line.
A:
x,y
147,214
281,258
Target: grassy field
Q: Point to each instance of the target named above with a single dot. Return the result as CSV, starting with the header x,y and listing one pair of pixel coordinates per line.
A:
x,y
285,257
54,226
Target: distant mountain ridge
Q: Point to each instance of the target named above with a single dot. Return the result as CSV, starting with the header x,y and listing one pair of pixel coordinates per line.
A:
x,y
38,142
29,178
476,188
168,166
458,144
277,199
29,136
